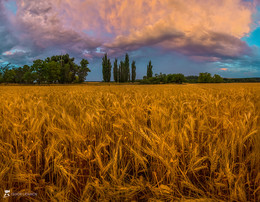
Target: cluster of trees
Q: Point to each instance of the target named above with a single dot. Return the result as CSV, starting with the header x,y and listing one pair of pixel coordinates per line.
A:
x,y
57,69
192,79
241,80
180,78
207,78
121,71
163,78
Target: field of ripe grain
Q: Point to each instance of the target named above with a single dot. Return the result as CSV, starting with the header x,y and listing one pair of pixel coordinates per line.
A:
x,y
130,143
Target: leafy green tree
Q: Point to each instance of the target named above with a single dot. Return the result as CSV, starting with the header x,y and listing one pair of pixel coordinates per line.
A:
x,y
73,70
66,58
162,77
1,78
170,78
205,78
4,68
68,69
115,71
55,58
179,78
192,79
29,77
217,79
76,80
53,72
133,71
3,71
40,67
83,70
9,76
65,76
75,73
106,68
19,73
149,70
63,71
59,68
48,59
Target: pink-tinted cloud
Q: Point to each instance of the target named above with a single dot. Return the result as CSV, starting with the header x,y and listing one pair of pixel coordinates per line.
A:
x,y
7,53
224,69
205,58
193,27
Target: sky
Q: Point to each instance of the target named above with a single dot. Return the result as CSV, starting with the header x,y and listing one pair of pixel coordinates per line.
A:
x,y
192,36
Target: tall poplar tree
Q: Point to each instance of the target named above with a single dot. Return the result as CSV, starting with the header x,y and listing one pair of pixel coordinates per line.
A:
x,y
127,68
122,72
115,71
133,71
149,70
106,68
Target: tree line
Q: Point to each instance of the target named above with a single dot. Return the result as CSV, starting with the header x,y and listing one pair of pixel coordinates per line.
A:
x,y
121,73
63,69
55,69
180,78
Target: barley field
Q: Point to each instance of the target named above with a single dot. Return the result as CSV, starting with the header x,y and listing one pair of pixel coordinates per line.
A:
x,y
189,142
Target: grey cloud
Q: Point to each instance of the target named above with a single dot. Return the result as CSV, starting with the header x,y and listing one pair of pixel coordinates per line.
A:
x,y
8,41
208,44
220,45
43,29
17,58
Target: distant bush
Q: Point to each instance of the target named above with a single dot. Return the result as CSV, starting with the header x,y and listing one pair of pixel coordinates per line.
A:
x,y
192,79
207,78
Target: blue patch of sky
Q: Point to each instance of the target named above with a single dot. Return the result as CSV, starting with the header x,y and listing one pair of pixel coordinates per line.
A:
x,y
109,35
11,6
3,63
92,33
99,50
96,70
89,32
254,38
243,67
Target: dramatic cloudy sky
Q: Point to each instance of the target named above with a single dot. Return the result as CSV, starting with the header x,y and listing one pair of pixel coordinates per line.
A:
x,y
191,36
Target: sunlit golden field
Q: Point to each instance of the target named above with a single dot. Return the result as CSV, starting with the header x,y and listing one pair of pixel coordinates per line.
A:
x,y
131,142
